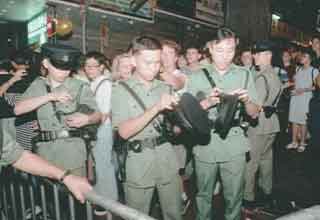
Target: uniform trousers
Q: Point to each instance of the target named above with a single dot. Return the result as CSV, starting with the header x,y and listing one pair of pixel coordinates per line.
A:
x,y
169,196
232,180
260,160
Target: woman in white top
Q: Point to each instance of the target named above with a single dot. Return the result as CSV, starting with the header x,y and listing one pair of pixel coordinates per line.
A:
x,y
299,103
101,86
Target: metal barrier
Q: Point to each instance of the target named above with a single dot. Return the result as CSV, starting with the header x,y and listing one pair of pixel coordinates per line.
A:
x,y
312,213
25,197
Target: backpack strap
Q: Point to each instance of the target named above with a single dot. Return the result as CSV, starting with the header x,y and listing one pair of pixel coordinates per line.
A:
x,y
99,85
133,94
156,123
209,78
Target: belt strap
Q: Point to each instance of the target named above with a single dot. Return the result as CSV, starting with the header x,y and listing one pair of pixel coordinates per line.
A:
x,y
45,136
151,143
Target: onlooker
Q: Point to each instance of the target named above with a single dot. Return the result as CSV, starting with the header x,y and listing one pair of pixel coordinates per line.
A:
x,y
246,59
122,67
106,184
316,47
169,58
301,95
193,55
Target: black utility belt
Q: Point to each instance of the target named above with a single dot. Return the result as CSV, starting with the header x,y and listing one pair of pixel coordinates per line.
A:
x,y
138,145
45,136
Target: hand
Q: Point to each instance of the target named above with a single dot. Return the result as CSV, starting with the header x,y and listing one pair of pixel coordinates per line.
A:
x,y
77,120
167,102
298,91
18,75
34,125
242,93
63,97
78,186
214,98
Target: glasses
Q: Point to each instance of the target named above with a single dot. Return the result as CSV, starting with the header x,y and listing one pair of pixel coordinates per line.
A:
x,y
92,66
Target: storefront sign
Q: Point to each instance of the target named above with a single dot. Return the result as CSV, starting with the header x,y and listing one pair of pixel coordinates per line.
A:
x,y
210,10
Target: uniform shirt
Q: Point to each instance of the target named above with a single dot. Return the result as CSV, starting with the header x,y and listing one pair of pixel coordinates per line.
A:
x,y
46,115
11,151
149,167
221,150
268,91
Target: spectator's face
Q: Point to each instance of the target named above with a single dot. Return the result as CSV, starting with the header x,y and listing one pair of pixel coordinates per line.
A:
x,y
262,58
147,63
223,53
246,58
316,44
193,55
182,62
125,68
92,68
54,73
305,59
286,57
169,56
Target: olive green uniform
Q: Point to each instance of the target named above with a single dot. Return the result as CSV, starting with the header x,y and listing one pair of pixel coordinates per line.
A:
x,y
11,151
262,136
67,153
226,156
151,168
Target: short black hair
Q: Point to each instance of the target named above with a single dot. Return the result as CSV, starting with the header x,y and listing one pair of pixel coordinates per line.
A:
x,y
312,54
145,43
224,33
99,57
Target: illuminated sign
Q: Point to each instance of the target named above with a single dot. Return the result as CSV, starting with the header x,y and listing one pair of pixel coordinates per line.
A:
x,y
37,29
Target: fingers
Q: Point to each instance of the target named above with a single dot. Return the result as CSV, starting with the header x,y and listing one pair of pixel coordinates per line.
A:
x,y
168,102
62,97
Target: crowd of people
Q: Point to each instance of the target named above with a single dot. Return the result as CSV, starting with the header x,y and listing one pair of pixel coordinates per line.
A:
x,y
72,109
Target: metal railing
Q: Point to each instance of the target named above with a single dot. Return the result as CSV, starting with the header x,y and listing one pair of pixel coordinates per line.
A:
x,y
25,197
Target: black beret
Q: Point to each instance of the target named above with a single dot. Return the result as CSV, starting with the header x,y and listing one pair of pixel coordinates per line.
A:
x,y
61,56
264,45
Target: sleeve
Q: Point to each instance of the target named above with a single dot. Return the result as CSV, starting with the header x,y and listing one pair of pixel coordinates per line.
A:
x,y
103,97
11,150
262,93
119,105
87,97
34,90
252,91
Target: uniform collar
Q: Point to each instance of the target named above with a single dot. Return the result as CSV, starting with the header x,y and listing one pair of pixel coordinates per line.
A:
x,y
134,82
229,71
266,69
62,84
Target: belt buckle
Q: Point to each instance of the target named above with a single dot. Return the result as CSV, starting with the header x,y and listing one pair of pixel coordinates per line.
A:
x,y
63,134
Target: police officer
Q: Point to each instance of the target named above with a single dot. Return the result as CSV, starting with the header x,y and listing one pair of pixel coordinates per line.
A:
x,y
153,165
57,100
262,136
11,153
223,155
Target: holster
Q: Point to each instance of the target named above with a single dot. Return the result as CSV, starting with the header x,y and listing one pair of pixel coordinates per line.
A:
x,y
90,163
269,111
120,147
